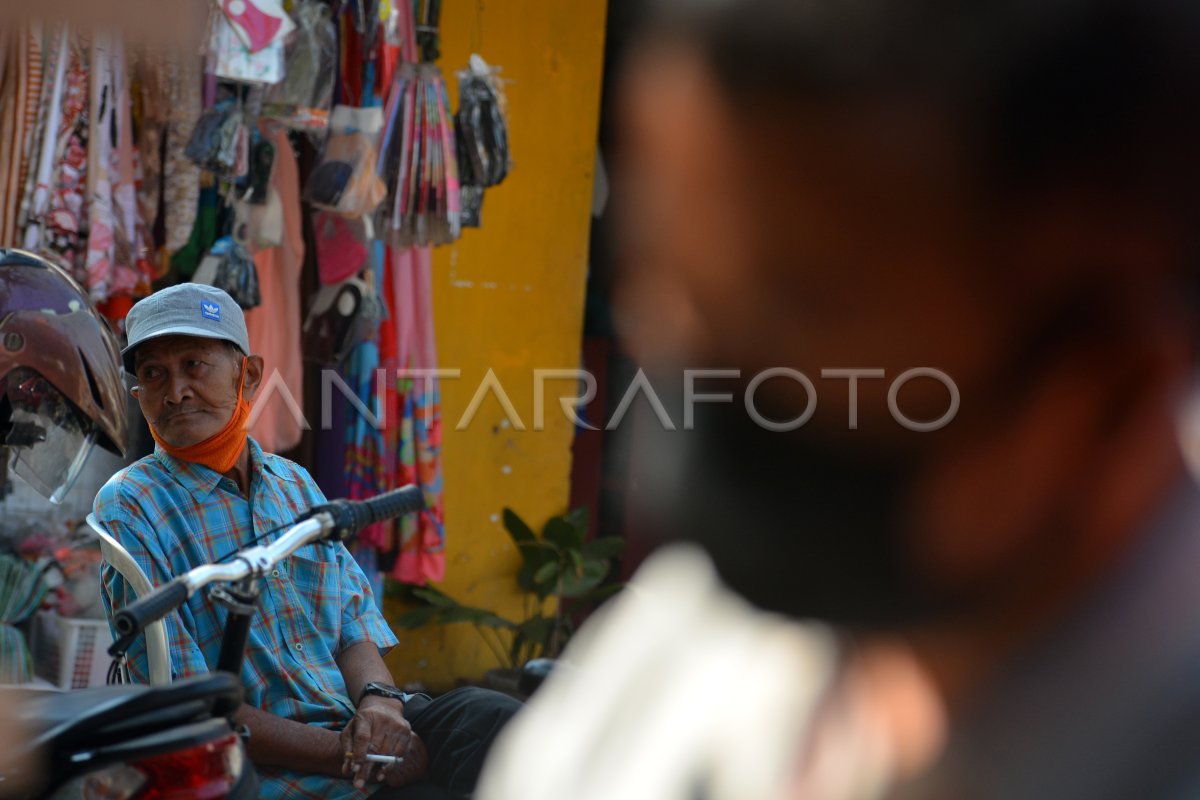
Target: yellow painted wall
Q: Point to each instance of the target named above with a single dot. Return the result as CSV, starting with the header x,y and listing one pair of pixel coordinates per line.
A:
x,y
509,297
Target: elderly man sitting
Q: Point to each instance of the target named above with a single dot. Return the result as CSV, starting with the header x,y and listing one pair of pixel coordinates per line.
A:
x,y
318,696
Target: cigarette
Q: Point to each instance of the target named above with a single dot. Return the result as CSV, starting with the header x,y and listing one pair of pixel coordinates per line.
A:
x,y
384,759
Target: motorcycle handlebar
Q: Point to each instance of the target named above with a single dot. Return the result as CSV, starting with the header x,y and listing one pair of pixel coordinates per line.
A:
x,y
350,516
338,520
154,606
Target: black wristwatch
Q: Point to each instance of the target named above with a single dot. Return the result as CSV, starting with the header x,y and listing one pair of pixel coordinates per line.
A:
x,y
381,690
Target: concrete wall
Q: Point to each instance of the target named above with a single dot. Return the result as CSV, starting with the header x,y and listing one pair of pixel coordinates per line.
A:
x,y
509,297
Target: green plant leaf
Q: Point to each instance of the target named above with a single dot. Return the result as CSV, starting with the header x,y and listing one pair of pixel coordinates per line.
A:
x,y
596,596
396,590
528,639
477,616
535,630
516,527
563,533
435,597
535,556
577,562
605,547
578,519
594,572
546,574
416,618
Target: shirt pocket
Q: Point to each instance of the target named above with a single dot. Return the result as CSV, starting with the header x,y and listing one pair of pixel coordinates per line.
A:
x,y
309,578
315,612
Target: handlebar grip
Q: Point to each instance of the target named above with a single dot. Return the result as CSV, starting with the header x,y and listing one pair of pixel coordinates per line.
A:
x,y
134,618
395,503
351,516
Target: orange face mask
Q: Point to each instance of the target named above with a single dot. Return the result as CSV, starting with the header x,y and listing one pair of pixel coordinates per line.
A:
x,y
221,450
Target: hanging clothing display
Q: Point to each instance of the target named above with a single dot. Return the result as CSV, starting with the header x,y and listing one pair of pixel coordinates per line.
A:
x,y
58,213
136,169
421,156
115,247
20,93
414,155
274,326
422,538
181,178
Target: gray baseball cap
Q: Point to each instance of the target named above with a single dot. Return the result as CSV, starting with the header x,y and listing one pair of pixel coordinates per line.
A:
x,y
189,309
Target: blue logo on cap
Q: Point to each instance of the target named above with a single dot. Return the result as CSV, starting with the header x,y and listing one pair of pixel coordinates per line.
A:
x,y
210,311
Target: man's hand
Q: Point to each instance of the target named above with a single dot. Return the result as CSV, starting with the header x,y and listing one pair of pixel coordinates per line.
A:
x,y
380,728
416,761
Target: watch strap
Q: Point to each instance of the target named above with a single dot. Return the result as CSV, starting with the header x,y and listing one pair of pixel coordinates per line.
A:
x,y
381,690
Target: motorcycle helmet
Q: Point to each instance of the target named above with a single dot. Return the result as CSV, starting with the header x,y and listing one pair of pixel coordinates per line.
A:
x,y
61,387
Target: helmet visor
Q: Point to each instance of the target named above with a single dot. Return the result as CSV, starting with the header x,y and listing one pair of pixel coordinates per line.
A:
x,y
48,440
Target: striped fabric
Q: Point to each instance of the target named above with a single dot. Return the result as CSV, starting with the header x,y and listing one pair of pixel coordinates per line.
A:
x,y
172,515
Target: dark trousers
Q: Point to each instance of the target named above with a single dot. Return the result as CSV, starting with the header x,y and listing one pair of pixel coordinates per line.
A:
x,y
458,729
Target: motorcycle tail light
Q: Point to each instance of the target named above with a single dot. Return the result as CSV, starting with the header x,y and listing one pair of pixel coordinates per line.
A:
x,y
121,782
205,772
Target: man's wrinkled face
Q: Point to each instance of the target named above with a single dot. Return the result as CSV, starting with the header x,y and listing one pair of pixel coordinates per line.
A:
x,y
187,387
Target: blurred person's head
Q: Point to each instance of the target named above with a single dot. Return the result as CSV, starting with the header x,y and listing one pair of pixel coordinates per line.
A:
x,y
1000,191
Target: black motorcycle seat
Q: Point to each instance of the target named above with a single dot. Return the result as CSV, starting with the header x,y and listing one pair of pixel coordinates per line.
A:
x,y
70,719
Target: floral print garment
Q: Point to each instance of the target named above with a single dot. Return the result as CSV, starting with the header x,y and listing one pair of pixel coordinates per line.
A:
x,y
58,218
182,175
114,244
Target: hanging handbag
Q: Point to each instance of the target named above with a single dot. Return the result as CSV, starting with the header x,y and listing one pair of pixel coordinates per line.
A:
x,y
341,316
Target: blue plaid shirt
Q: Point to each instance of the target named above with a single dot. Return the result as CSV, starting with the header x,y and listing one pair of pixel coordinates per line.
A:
x,y
172,516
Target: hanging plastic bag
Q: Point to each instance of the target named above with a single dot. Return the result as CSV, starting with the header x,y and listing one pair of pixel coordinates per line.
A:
x,y
229,58
258,211
481,134
480,127
257,23
258,176
218,138
258,226
303,98
345,181
229,266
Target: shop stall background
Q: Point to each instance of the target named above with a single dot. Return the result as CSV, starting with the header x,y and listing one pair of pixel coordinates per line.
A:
x,y
508,297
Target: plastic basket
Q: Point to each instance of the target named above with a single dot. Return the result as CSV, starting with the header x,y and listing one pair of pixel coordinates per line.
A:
x,y
84,657
71,653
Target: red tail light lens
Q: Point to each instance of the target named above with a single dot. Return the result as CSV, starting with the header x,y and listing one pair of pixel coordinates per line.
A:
x,y
207,772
